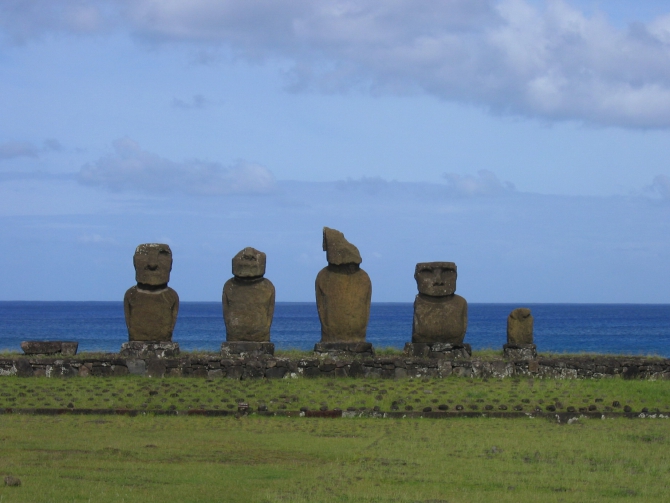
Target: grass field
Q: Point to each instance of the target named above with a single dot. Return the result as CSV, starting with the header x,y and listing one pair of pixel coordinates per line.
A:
x,y
158,458
293,394
280,459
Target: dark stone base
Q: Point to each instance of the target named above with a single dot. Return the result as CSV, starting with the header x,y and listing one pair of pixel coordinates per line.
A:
x,y
43,348
243,349
441,350
146,349
524,352
344,349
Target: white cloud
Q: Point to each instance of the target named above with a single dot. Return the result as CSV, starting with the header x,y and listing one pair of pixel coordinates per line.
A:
x,y
13,149
130,168
660,186
22,20
97,239
550,61
485,183
198,101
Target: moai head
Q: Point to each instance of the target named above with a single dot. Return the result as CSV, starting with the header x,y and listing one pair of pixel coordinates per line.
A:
x,y
520,314
153,263
249,263
436,279
338,250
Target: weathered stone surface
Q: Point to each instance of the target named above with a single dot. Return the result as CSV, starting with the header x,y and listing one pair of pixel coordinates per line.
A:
x,y
439,319
246,349
520,326
136,366
153,263
522,352
343,291
151,315
65,348
249,263
343,349
248,299
151,307
24,368
149,349
12,481
338,250
439,350
436,279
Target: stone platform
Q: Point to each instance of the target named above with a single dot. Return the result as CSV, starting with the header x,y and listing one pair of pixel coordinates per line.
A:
x,y
49,348
213,366
441,350
240,349
344,349
520,352
149,349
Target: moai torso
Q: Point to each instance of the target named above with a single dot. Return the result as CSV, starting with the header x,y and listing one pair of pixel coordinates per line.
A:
x,y
439,314
151,307
248,299
343,291
520,327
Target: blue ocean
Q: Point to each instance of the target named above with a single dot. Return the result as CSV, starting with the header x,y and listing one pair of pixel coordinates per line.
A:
x,y
100,326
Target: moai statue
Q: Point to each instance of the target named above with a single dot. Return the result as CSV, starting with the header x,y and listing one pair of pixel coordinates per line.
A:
x,y
343,294
440,316
151,307
520,344
248,306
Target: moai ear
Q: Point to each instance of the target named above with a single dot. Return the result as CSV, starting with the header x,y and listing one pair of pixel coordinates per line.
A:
x,y
338,250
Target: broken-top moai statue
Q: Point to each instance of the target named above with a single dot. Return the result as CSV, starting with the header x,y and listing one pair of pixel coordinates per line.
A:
x,y
440,316
520,344
151,306
343,294
248,307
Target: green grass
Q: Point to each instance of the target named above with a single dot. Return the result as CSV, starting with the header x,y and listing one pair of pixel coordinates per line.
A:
x,y
154,458
291,394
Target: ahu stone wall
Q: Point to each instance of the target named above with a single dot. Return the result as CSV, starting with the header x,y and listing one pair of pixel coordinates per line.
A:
x,y
214,366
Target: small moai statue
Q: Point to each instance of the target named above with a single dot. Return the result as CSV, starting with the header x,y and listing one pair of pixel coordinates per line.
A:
x,y
151,306
343,295
440,316
248,306
520,344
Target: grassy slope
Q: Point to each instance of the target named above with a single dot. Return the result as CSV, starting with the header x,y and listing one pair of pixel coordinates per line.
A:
x,y
278,459
292,394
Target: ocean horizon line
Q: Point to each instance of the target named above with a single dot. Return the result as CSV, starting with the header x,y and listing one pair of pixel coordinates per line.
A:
x,y
297,302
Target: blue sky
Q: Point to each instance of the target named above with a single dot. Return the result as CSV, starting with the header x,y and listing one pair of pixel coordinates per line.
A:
x,y
525,140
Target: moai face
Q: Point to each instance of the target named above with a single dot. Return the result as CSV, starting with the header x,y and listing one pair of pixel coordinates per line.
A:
x,y
249,263
338,250
436,279
153,263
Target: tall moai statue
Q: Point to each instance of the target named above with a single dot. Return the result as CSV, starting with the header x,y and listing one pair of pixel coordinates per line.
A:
x,y
248,306
343,295
440,316
520,345
151,306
